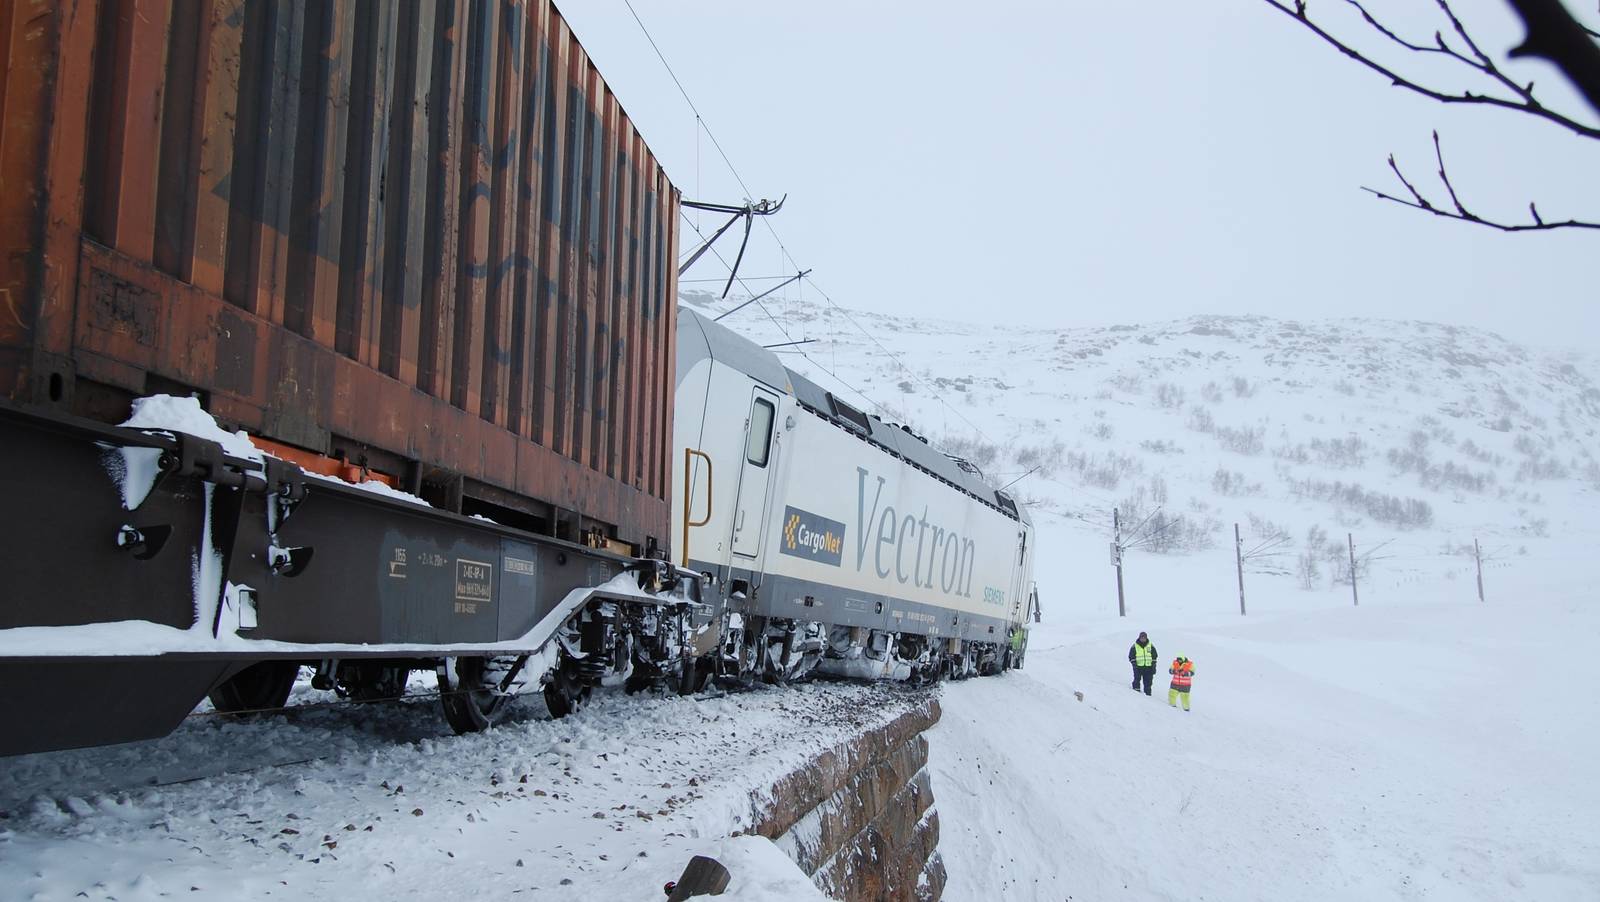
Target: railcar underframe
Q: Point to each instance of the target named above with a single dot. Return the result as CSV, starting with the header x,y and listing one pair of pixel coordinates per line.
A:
x,y
241,568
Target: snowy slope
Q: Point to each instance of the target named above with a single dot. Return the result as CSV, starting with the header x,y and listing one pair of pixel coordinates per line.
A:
x,y
1410,438
1439,751
1419,746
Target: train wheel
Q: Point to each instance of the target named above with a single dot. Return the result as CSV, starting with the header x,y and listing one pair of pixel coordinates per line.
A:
x,y
259,687
567,691
469,692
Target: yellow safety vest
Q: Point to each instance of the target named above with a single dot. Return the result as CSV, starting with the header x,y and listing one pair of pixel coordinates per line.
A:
x,y
1144,655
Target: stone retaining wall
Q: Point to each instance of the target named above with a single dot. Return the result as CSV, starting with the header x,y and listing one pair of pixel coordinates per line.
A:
x,y
859,817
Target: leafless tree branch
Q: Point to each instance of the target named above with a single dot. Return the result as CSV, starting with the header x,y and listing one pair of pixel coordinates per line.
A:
x,y
1523,102
1553,34
1420,202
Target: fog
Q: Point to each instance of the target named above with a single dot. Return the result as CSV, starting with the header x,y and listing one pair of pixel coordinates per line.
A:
x,y
1073,163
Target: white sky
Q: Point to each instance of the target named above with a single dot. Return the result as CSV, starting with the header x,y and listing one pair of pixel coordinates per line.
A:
x,y
1071,163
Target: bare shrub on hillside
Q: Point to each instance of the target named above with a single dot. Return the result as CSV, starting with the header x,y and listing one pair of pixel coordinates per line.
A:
x,y
1169,396
1160,446
1104,431
1244,440
1296,453
1344,388
1201,420
1211,392
1481,455
1242,387
1541,468
1405,513
1048,457
1265,529
1341,567
1131,383
1181,533
1340,453
1160,532
1437,476
1158,490
1308,565
1232,483
1104,471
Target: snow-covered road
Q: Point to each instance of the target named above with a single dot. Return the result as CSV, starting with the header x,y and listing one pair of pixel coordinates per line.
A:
x,y
1426,751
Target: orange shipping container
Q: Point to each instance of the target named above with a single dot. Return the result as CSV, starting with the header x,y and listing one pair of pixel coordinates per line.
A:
x,y
419,237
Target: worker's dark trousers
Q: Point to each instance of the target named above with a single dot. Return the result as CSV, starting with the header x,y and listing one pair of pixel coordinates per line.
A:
x,y
1143,675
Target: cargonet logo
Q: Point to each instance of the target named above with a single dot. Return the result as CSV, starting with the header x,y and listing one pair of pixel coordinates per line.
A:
x,y
815,538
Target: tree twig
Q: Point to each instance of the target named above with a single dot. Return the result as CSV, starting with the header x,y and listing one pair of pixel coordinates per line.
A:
x,y
1524,101
1420,202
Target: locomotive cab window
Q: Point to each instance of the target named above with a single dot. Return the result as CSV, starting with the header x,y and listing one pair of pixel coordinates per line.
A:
x,y
760,442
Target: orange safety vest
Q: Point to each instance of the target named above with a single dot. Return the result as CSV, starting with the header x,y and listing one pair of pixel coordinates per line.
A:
x,y
1182,674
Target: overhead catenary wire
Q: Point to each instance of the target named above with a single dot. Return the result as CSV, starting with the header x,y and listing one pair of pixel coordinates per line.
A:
x,y
734,170
801,350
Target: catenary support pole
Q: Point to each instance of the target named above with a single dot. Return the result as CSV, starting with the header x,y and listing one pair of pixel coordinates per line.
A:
x,y
1116,546
1477,555
1238,560
1350,537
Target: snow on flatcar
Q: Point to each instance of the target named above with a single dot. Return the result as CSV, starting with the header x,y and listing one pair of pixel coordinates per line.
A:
x,y
841,542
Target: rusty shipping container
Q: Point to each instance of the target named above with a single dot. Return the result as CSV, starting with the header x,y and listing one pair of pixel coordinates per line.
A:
x,y
421,238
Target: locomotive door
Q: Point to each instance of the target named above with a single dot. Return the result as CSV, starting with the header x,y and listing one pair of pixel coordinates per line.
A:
x,y
1019,574
750,507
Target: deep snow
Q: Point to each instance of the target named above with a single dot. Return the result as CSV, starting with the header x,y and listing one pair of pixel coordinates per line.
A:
x,y
382,802
1410,748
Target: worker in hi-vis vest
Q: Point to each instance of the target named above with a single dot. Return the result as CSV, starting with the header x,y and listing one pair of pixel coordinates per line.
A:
x,y
1182,671
1142,655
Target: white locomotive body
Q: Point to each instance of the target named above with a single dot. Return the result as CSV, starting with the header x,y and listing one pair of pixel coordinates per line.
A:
x,y
839,541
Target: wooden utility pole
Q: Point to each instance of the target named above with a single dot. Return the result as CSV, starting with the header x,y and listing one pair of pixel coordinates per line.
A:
x,y
1116,558
1477,555
1353,596
1238,560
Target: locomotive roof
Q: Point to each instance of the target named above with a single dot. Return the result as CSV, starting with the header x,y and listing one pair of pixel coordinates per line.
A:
x,y
731,349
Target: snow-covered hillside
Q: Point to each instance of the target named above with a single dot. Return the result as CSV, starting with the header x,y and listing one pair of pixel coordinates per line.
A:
x,y
1423,745
1420,746
1411,439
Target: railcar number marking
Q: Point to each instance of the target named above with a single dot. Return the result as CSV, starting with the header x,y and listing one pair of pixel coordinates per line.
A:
x,y
397,566
474,585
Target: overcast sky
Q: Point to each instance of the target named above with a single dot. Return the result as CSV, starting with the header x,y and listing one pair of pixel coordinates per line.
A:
x,y
1070,163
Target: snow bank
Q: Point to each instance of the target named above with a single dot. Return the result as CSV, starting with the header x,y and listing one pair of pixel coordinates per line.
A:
x,y
1405,749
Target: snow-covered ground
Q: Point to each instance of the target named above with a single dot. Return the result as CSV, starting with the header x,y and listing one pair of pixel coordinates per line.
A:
x,y
1423,745
1420,746
1410,748
382,802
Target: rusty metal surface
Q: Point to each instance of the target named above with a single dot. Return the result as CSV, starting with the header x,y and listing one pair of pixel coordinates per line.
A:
x,y
426,228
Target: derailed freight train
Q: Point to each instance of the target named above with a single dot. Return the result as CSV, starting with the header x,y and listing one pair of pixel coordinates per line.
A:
x,y
420,255
841,542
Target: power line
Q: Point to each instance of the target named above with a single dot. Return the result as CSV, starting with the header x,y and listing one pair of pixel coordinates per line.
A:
x,y
836,377
701,123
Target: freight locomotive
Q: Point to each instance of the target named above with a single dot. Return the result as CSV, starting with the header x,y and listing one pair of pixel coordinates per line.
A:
x,y
419,254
